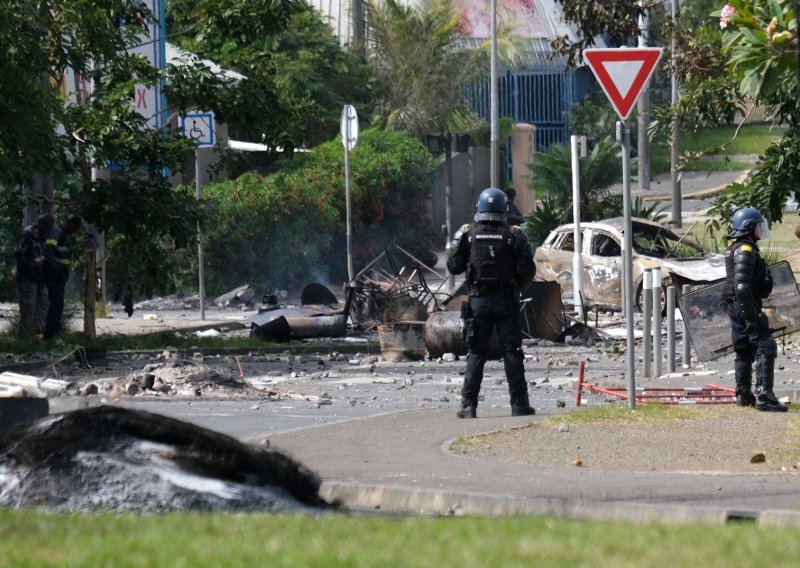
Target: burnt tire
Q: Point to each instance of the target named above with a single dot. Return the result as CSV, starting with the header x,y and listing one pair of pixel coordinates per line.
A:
x,y
666,282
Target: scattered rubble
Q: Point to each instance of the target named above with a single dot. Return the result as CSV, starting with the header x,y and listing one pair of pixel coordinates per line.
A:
x,y
173,302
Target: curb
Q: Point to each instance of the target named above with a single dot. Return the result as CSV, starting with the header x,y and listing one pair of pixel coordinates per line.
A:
x,y
392,499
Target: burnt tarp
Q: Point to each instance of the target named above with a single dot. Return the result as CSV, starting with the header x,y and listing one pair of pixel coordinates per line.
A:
x,y
708,324
317,294
299,322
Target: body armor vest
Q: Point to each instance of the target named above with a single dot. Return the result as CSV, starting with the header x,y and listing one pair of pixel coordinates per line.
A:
x,y
491,256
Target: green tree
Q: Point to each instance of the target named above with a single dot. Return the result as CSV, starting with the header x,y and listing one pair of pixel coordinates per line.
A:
x,y
759,41
615,20
63,139
297,75
551,178
423,62
288,228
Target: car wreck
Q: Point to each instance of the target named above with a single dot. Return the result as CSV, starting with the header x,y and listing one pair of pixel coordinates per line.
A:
x,y
681,260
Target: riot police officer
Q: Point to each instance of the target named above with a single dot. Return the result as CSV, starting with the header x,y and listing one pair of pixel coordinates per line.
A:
x,y
498,262
748,283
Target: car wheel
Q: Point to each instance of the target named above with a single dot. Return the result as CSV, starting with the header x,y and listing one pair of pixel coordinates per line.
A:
x,y
665,283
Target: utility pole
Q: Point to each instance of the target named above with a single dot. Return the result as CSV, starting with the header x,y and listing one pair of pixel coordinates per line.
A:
x,y
643,106
674,147
357,15
494,145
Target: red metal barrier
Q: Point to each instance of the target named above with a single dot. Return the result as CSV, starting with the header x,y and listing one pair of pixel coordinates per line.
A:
x,y
708,394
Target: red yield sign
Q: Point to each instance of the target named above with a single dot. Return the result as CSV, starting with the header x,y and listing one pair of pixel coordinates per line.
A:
x,y
623,72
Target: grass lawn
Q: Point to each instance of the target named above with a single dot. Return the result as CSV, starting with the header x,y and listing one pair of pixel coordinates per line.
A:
x,y
781,242
751,140
31,539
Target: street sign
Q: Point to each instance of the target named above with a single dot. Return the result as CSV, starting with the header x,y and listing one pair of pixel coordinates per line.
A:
x,y
198,127
349,127
623,72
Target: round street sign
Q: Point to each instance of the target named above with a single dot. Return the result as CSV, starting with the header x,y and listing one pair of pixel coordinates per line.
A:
x,y
349,127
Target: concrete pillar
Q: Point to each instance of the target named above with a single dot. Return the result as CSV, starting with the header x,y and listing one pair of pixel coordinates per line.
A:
x,y
523,147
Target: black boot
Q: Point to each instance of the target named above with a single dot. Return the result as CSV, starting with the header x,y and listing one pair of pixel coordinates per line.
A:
x,y
468,409
526,410
743,373
765,372
768,402
520,405
745,398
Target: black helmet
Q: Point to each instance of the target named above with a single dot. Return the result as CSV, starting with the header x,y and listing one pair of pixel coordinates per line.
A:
x,y
491,205
745,221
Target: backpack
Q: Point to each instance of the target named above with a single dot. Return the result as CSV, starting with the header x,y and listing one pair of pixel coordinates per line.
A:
x,y
491,257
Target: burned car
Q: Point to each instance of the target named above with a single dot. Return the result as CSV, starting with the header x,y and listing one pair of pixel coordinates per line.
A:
x,y
654,245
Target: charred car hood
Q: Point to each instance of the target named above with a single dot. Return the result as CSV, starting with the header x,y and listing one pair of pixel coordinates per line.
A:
x,y
706,269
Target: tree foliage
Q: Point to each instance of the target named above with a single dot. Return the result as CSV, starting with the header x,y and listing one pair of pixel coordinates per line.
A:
x,y
423,61
288,228
740,55
759,41
615,20
297,75
551,180
62,136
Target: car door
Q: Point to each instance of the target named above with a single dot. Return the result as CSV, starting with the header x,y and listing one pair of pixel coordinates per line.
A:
x,y
554,260
602,270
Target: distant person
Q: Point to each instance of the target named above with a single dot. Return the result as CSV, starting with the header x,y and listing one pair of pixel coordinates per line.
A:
x,y
31,288
57,261
748,283
498,262
513,213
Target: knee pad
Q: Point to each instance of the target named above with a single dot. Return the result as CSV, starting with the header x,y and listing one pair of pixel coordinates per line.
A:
x,y
768,347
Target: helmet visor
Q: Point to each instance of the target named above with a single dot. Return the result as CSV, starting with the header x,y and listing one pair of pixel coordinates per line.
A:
x,y
762,230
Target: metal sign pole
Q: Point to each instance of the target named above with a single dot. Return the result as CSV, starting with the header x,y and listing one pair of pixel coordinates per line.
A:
x,y
627,260
577,258
201,271
348,204
349,131
199,128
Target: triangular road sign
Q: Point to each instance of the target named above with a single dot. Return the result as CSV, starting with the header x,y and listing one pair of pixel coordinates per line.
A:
x,y
623,72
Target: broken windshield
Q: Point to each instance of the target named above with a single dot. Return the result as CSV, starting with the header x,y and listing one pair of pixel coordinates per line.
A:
x,y
660,242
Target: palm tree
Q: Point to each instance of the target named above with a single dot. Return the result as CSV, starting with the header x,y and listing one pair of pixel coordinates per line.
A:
x,y
423,60
551,178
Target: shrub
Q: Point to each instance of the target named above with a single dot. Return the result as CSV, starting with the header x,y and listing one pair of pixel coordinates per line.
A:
x,y
289,228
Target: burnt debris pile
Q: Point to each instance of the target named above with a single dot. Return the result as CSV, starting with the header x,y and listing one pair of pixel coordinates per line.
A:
x,y
110,458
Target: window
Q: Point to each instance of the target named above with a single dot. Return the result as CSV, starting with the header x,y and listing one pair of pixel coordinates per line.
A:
x,y
605,245
568,243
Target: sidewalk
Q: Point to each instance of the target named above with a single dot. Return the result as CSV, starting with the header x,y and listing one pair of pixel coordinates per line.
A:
x,y
694,185
400,462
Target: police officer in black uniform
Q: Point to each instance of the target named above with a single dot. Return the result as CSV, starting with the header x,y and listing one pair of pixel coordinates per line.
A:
x,y
498,263
57,262
748,283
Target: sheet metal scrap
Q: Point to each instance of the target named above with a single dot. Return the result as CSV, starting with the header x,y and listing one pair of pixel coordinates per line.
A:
x,y
299,322
542,314
393,274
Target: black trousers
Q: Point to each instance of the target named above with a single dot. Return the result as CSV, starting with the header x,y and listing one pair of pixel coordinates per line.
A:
x,y
55,291
498,310
758,347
